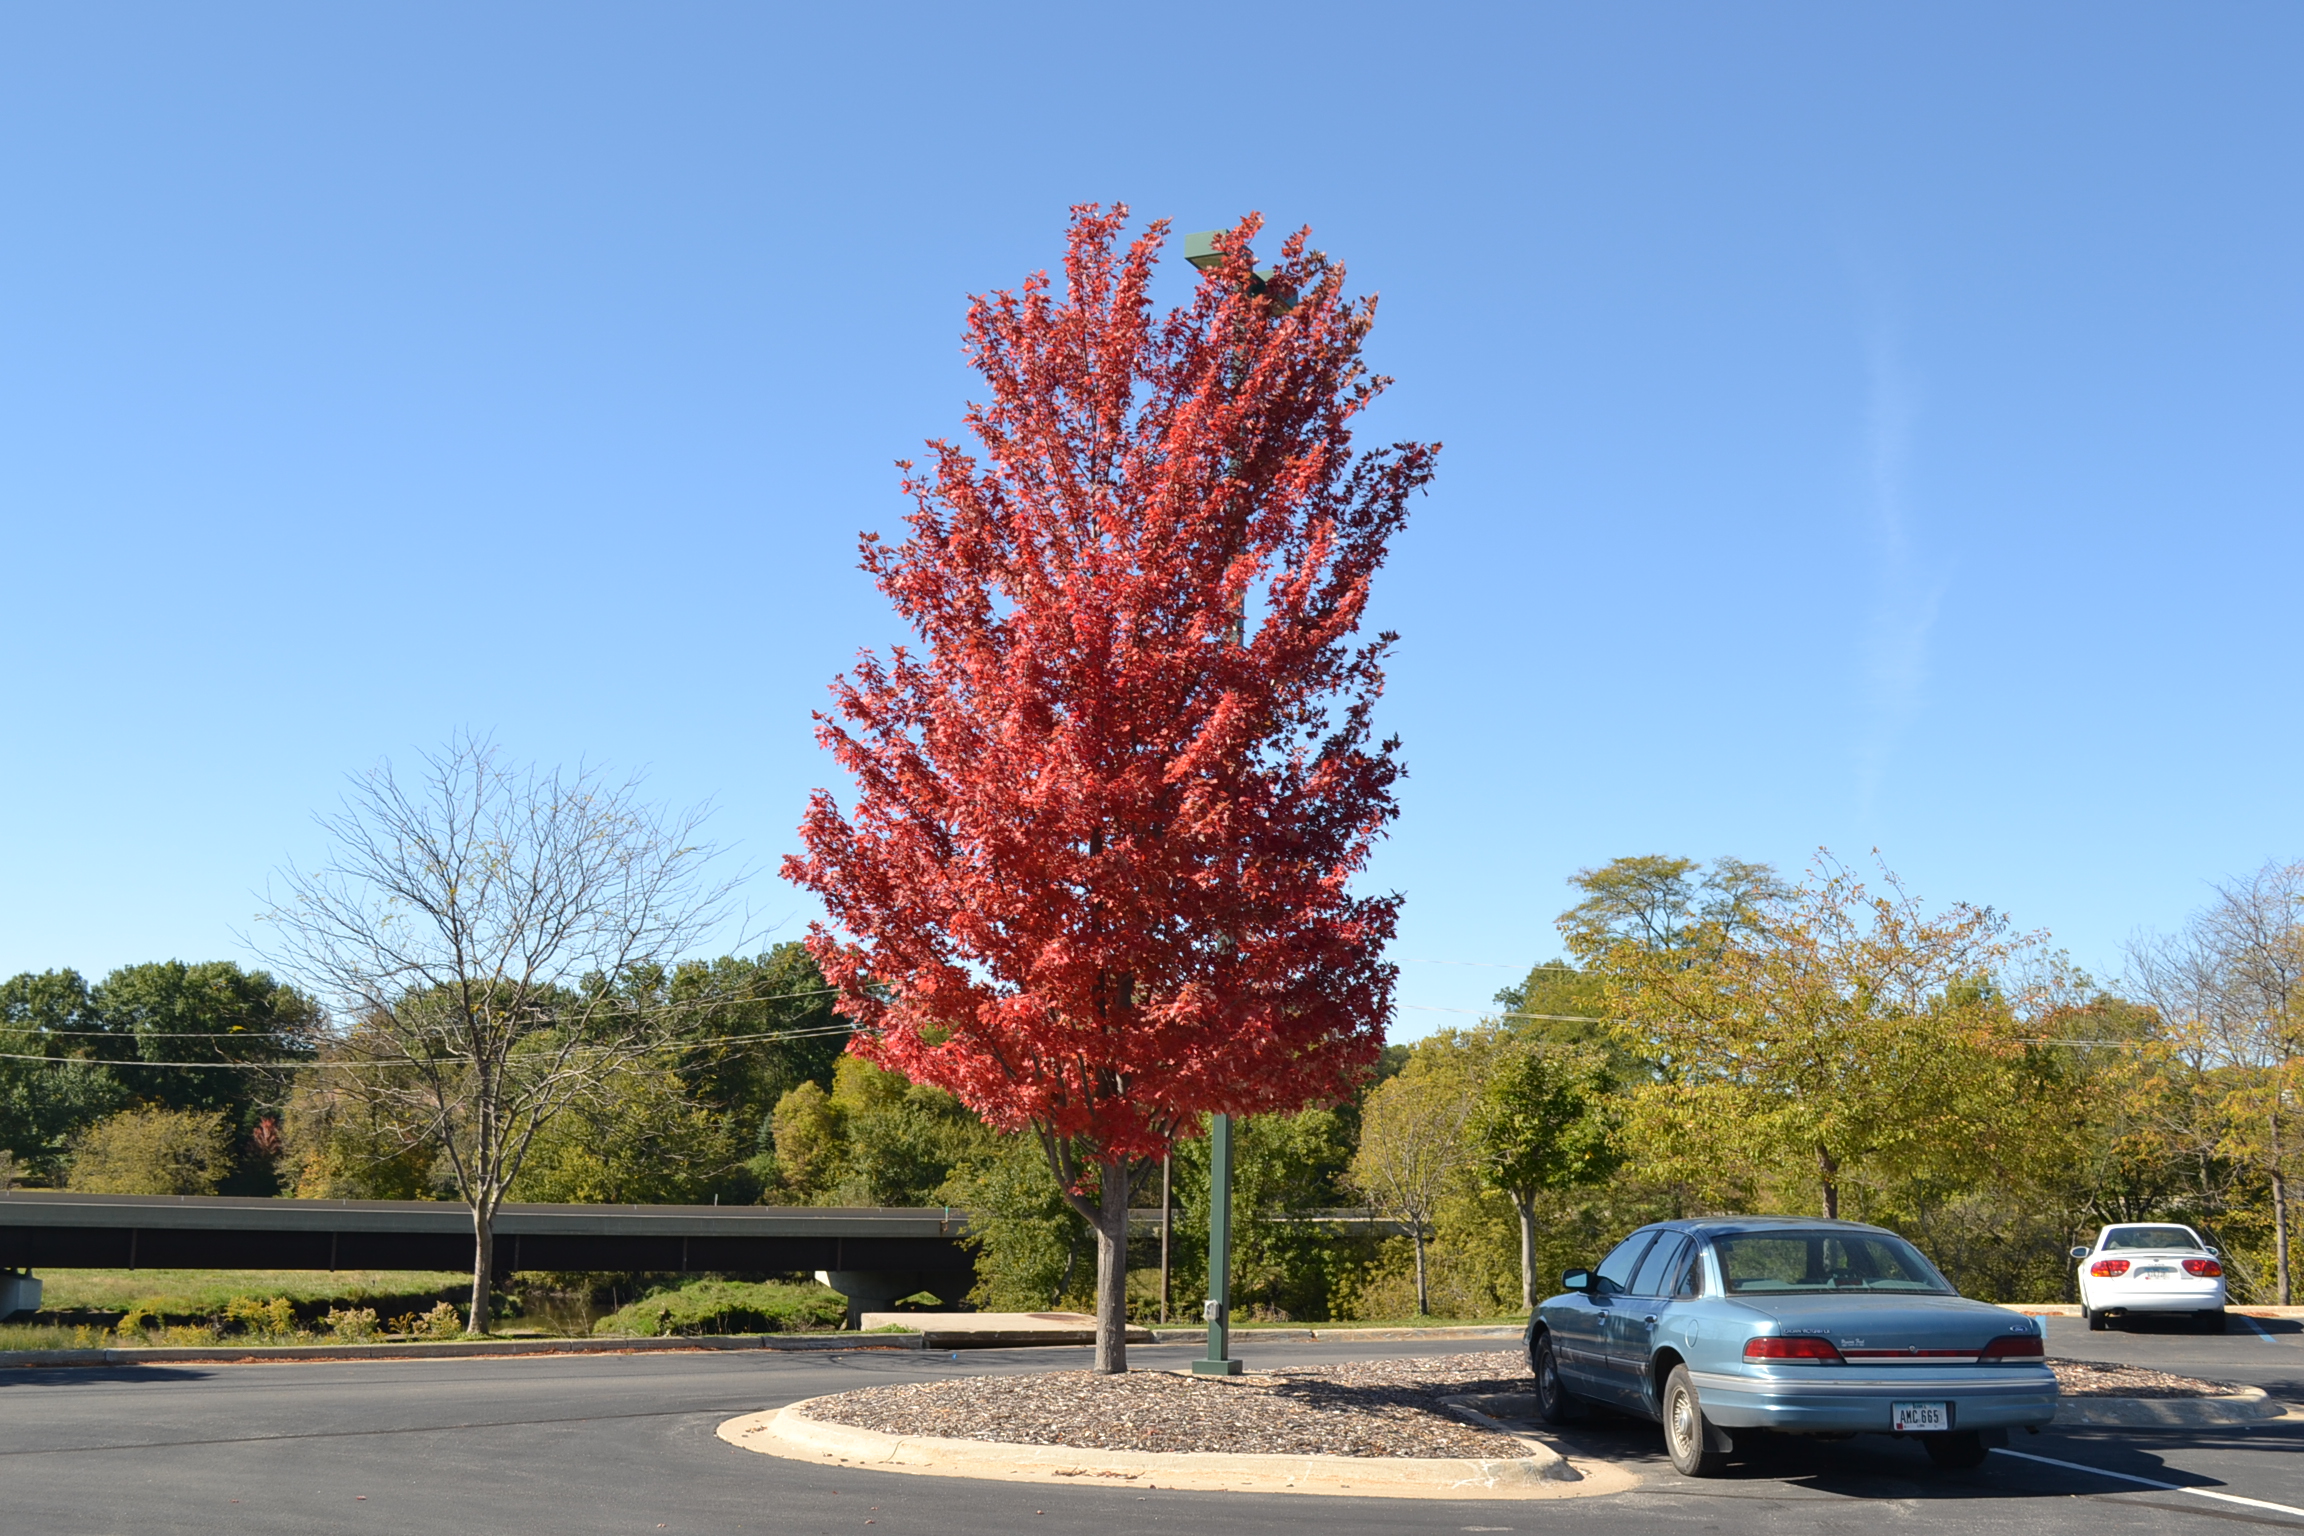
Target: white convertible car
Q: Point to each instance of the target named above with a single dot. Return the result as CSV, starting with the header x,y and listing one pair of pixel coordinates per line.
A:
x,y
2151,1266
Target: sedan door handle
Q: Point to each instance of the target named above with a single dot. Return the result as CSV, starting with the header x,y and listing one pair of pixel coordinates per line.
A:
x,y
1651,1317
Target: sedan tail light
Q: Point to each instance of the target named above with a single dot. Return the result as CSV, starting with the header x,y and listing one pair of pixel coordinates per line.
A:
x,y
2013,1346
2108,1269
1792,1347
2206,1268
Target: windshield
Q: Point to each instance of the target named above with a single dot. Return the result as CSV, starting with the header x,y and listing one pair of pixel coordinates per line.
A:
x,y
2150,1237
1775,1262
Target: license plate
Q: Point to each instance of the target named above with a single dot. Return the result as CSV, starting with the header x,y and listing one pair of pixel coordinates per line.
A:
x,y
2154,1274
1919,1417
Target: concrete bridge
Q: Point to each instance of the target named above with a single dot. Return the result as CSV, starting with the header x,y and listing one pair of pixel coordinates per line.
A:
x,y
871,1256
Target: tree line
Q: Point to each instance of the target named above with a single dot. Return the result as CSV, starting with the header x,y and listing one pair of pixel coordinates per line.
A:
x,y
1715,1039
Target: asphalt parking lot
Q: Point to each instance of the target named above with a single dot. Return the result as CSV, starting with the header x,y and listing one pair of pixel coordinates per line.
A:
x,y
625,1443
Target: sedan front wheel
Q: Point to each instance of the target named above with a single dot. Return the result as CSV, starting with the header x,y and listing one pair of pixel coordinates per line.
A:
x,y
1555,1404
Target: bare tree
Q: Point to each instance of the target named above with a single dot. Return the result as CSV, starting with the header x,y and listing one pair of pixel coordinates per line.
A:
x,y
2230,993
473,924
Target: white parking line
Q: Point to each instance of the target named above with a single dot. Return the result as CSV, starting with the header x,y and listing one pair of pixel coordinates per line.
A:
x,y
2257,1328
2130,1477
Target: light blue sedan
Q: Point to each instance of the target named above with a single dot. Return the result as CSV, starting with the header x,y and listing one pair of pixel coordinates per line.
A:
x,y
1828,1328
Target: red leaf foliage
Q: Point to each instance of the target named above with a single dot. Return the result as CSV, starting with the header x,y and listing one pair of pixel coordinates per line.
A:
x,y
1096,876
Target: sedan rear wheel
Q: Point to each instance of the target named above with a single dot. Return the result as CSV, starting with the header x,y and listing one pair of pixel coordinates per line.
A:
x,y
1555,1404
2212,1322
1685,1431
2095,1320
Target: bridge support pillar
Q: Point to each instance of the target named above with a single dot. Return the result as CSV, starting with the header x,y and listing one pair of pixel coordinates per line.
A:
x,y
875,1290
19,1292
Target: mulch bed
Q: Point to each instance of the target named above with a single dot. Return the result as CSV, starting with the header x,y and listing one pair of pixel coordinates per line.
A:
x,y
2091,1378
1372,1408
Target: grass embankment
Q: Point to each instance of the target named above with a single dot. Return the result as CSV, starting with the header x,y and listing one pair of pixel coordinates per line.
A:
x,y
207,1292
109,1308
729,1306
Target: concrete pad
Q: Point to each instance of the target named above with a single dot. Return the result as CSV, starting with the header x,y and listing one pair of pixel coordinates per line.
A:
x,y
2246,1405
1542,1473
985,1330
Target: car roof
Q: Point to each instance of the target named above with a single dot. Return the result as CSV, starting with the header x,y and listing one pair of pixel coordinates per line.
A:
x,y
1724,1226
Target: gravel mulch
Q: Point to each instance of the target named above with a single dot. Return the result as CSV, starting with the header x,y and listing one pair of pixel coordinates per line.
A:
x,y
2092,1378
1370,1408
1373,1408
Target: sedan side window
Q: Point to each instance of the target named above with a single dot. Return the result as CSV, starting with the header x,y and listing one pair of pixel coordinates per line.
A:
x,y
1689,1282
1615,1272
1656,1270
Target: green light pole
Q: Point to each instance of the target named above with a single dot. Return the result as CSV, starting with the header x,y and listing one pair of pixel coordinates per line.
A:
x,y
1200,250
1218,1308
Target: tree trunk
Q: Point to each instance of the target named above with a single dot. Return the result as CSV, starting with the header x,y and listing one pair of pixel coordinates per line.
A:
x,y
1112,1268
483,1266
1423,1297
1527,1209
2280,1238
1827,1173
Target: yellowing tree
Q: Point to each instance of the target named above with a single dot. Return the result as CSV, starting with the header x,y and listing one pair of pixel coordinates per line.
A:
x,y
2230,993
1413,1147
153,1151
1823,1034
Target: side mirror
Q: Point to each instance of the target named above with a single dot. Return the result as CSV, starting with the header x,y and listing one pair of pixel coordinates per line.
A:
x,y
2214,1253
1576,1280
2080,1253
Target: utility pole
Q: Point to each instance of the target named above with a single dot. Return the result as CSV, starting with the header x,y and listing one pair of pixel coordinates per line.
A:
x,y
1167,1219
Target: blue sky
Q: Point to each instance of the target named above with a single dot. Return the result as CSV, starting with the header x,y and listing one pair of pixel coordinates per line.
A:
x,y
1866,426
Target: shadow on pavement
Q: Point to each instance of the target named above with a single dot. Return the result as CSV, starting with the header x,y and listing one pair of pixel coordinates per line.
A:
x,y
97,1375
1882,1467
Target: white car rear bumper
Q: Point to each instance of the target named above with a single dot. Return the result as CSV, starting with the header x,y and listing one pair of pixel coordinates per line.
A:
x,y
2163,1296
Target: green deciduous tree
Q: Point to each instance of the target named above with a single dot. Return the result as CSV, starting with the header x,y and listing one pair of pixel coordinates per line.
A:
x,y
642,1139
1543,1121
170,1011
51,1085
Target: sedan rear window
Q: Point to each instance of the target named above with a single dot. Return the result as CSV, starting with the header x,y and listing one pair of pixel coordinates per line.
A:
x,y
2150,1237
1776,1262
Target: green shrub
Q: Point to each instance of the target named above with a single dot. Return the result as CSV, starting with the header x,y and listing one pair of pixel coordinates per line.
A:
x,y
260,1318
352,1323
442,1322
730,1306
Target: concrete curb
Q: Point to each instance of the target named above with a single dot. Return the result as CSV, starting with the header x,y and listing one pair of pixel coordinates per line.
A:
x,y
1541,1474
2245,1405
451,1350
1246,1337
2072,1309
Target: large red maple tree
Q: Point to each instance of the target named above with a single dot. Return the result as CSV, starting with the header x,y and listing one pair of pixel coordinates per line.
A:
x,y
1096,880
